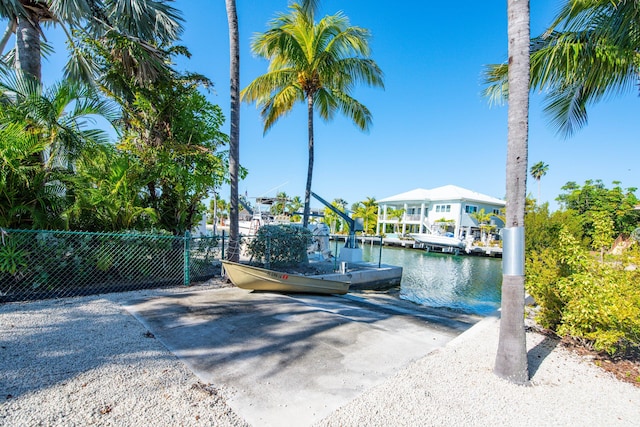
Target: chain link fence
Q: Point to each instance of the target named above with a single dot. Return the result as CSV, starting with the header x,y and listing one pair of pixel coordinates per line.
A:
x,y
52,264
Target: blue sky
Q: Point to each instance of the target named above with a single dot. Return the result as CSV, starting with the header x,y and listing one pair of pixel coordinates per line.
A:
x,y
431,126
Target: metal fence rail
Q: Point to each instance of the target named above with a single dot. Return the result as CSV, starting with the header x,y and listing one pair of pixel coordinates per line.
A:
x,y
37,264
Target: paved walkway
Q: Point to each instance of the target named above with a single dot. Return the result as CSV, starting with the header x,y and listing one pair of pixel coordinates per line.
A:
x,y
294,359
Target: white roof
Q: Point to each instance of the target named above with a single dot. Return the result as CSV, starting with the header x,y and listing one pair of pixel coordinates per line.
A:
x,y
444,193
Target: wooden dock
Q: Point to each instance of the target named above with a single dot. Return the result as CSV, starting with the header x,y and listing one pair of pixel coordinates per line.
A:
x,y
487,251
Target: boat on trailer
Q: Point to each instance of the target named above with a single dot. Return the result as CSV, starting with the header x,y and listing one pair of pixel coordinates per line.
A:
x,y
260,279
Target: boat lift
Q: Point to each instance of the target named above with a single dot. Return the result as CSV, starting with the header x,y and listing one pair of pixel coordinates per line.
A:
x,y
350,252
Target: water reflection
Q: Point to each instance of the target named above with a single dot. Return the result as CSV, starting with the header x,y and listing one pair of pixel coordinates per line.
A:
x,y
466,283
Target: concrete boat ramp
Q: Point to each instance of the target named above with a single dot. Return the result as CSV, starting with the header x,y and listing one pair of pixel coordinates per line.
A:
x,y
292,359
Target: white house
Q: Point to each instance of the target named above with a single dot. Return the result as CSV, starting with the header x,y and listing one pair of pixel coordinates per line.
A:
x,y
442,209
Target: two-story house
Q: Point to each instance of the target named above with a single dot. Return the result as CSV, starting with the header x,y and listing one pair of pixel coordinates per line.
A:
x,y
446,209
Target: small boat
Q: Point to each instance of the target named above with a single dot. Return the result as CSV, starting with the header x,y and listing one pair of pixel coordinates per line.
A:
x,y
260,279
438,240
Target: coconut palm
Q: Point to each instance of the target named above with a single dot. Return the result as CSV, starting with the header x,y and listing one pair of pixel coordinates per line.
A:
x,y
589,52
315,63
511,359
368,211
148,22
537,171
294,206
233,254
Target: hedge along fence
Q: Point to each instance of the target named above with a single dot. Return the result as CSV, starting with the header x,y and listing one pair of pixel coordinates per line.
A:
x,y
37,264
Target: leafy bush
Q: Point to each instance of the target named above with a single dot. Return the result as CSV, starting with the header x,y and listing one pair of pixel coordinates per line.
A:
x,y
280,245
587,299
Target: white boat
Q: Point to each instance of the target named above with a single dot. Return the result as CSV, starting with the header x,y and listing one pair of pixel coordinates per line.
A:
x,y
260,279
438,240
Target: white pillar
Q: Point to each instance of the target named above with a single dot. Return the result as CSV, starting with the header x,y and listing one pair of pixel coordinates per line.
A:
x,y
404,222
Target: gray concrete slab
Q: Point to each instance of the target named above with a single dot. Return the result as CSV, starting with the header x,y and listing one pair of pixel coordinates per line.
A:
x,y
291,360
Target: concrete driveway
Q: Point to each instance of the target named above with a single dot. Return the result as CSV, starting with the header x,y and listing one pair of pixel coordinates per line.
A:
x,y
291,360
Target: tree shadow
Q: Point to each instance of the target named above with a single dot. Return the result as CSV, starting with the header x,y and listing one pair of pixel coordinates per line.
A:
x,y
537,354
241,333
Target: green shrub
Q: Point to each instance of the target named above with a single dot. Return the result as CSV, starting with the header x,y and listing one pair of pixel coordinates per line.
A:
x,y
587,299
280,245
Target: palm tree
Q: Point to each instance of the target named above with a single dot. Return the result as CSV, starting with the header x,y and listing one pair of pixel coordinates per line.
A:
x,y
233,254
484,222
313,63
294,206
145,21
537,171
280,204
511,359
396,214
57,115
588,53
368,211
43,133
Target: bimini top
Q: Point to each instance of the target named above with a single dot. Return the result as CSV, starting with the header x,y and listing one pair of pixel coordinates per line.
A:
x,y
444,193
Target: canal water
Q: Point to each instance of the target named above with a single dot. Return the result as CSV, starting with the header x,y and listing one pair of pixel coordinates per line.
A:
x,y
464,283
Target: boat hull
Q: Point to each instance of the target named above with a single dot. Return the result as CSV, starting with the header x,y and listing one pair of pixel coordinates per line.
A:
x,y
260,279
435,240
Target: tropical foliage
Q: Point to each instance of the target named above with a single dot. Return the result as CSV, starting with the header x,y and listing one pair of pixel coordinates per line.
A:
x,y
63,173
334,221
314,63
593,196
584,298
145,23
591,296
589,52
368,211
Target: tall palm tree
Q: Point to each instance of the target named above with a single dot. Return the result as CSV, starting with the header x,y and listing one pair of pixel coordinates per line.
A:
x,y
233,254
146,21
511,359
537,171
590,51
315,63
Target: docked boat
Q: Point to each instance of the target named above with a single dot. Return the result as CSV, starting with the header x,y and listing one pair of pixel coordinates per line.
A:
x,y
438,240
260,279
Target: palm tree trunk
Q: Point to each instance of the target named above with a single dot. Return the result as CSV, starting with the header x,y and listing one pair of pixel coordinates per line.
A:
x,y
511,359
234,138
307,192
28,47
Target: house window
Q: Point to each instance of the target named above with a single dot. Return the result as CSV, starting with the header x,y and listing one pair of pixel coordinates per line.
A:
x,y
496,211
470,209
443,208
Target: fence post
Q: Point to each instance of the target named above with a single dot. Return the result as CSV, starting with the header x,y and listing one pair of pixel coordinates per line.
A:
x,y
222,257
187,256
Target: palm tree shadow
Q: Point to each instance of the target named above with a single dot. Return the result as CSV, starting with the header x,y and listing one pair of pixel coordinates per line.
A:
x,y
537,354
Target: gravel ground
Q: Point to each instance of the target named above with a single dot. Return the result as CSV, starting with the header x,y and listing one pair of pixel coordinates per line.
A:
x,y
86,361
